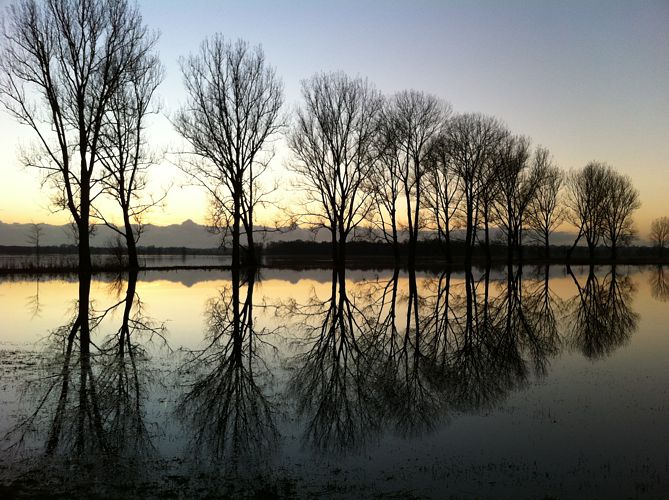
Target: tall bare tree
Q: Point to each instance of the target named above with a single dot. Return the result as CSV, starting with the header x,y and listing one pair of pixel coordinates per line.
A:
x,y
386,187
546,211
233,110
62,61
332,140
659,233
622,199
125,155
442,194
472,140
586,203
412,120
515,185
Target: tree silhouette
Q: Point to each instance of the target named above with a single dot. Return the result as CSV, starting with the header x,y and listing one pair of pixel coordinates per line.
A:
x,y
61,64
546,211
124,151
472,141
234,101
659,233
409,122
333,139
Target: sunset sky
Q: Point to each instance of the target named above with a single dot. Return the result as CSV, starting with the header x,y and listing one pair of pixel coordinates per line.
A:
x,y
587,79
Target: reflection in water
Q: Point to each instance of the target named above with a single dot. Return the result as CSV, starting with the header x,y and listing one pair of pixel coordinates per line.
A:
x,y
402,355
379,357
124,374
332,382
659,284
33,303
230,416
90,400
601,314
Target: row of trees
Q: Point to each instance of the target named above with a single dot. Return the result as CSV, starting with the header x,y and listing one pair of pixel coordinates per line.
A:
x,y
83,73
363,158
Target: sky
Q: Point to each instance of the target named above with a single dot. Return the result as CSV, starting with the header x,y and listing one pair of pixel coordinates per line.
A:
x,y
587,79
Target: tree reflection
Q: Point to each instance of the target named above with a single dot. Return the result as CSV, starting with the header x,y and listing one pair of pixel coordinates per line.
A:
x,y
333,380
601,313
659,284
410,374
125,373
90,401
404,355
483,358
231,417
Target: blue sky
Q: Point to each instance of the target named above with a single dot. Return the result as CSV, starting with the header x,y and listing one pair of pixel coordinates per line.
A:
x,y
587,79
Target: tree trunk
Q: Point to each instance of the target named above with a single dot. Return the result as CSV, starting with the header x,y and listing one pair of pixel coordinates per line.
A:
x,y
85,265
130,243
468,235
341,257
251,257
449,257
578,237
487,235
396,243
334,249
509,243
235,231
591,250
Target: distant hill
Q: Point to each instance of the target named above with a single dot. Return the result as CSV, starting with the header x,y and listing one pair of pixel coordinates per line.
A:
x,y
187,234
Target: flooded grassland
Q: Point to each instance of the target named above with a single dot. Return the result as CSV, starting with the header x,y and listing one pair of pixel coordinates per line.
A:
x,y
340,383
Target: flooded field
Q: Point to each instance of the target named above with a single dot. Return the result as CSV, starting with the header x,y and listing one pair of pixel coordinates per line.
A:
x,y
501,384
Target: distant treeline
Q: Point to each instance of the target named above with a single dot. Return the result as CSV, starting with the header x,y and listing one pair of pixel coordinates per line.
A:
x,y
434,249
425,249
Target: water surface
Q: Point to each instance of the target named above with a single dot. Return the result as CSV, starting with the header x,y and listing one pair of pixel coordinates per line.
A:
x,y
540,383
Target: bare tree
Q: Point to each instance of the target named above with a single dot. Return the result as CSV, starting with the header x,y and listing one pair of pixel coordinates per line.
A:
x,y
234,102
622,199
411,121
124,152
332,140
488,195
62,62
471,141
515,187
659,233
385,185
442,194
545,211
35,237
586,203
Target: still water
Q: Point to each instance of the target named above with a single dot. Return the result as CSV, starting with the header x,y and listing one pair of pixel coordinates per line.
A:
x,y
532,384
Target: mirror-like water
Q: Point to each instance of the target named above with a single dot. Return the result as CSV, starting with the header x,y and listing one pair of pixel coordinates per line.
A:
x,y
357,383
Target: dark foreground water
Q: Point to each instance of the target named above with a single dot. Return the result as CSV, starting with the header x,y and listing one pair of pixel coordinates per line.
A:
x,y
320,383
